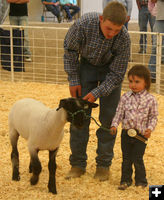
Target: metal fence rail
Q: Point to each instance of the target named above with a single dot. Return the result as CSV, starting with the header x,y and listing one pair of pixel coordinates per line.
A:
x,y
46,46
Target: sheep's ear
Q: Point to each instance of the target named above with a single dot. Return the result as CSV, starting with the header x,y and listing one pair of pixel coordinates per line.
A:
x,y
93,105
61,104
88,104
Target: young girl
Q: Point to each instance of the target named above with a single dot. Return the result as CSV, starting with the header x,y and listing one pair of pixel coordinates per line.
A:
x,y
137,110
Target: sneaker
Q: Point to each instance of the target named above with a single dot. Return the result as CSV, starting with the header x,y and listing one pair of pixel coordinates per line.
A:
x,y
124,186
75,172
102,173
27,59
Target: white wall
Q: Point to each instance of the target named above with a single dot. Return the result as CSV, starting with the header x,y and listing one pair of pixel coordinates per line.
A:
x,y
35,9
134,15
91,5
96,5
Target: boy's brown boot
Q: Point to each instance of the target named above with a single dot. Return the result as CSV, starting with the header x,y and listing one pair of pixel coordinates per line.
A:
x,y
75,172
102,173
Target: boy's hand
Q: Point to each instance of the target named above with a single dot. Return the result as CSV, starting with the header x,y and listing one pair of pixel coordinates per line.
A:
x,y
89,97
147,133
113,130
75,91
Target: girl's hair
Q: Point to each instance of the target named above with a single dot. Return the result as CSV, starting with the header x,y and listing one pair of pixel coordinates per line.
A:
x,y
115,12
142,72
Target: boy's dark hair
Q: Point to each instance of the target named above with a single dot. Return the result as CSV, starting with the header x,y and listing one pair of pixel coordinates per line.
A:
x,y
115,12
142,72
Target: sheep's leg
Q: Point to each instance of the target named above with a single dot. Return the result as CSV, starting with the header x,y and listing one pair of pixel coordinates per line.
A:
x,y
35,166
14,155
52,171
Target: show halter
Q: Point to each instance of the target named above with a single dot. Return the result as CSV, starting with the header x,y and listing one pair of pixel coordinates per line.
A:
x,y
88,117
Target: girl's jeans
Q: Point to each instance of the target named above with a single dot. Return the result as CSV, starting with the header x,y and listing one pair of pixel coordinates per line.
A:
x,y
133,151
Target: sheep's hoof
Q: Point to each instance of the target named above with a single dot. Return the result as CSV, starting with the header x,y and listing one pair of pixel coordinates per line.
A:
x,y
53,191
15,176
34,180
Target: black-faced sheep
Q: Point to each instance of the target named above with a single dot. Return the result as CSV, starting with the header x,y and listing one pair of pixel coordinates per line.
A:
x,y
43,127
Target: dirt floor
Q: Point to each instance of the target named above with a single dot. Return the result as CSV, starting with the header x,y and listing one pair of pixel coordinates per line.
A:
x,y
83,188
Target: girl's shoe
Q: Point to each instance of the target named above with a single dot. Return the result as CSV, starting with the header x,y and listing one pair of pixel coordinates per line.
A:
x,y
141,184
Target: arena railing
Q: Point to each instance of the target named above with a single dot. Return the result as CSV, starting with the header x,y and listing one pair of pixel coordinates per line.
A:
x,y
46,47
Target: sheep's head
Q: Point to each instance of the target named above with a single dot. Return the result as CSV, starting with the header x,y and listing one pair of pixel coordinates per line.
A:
x,y
77,110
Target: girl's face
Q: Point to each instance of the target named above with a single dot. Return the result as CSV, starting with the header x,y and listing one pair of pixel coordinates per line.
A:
x,y
136,84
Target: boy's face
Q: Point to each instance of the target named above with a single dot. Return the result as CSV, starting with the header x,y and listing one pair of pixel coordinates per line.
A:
x,y
136,84
108,28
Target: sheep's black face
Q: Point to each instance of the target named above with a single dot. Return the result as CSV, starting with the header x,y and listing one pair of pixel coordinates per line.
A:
x,y
77,110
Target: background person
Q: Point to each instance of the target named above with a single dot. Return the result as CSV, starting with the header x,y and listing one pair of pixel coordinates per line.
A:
x,y
4,7
68,5
18,15
137,110
144,16
95,39
54,7
158,27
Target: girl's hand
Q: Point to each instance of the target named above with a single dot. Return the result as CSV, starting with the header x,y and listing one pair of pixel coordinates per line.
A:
x,y
113,130
147,133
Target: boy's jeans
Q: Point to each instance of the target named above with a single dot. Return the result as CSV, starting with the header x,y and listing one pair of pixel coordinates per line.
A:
x,y
90,77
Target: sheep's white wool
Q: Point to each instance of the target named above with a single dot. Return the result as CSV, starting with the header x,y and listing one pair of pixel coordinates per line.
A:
x,y
40,125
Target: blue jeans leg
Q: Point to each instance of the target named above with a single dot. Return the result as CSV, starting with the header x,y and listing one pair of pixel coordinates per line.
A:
x,y
106,141
126,169
79,137
54,9
22,21
144,17
90,77
143,20
66,8
159,26
75,9
152,61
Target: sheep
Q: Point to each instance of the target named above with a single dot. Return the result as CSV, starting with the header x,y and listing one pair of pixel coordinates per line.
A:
x,y
42,127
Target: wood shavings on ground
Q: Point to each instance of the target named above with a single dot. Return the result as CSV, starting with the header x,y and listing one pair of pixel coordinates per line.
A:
x,y
83,188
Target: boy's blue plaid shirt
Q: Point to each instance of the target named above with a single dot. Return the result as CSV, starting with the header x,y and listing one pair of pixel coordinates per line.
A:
x,y
86,40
